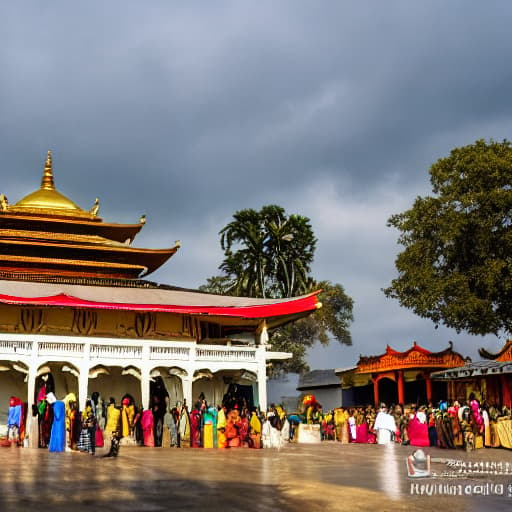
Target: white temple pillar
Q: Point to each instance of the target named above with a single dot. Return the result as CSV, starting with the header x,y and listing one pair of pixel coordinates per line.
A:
x,y
83,377
144,376
262,376
186,383
187,380
31,387
31,378
144,388
83,381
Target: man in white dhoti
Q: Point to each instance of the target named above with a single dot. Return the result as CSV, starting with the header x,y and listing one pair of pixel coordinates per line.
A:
x,y
385,426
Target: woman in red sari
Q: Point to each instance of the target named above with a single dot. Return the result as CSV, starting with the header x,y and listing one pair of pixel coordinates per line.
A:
x,y
417,430
147,424
195,426
243,429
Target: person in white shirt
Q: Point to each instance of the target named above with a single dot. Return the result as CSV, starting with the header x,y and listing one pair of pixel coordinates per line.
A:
x,y
384,425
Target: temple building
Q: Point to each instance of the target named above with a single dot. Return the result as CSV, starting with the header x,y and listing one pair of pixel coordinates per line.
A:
x,y
490,379
398,377
75,304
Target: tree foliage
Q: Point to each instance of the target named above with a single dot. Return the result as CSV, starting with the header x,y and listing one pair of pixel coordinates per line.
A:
x,y
268,253
456,267
331,321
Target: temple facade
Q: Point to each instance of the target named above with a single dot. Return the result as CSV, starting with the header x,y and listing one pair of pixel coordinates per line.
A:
x,y
398,377
75,307
490,380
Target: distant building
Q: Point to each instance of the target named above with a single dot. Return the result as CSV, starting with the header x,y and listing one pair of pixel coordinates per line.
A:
x,y
489,380
324,385
398,377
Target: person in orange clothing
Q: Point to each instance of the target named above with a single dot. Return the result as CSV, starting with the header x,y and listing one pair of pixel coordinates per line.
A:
x,y
233,428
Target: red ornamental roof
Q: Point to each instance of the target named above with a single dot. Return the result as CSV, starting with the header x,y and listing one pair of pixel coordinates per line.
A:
x,y
415,357
504,355
165,301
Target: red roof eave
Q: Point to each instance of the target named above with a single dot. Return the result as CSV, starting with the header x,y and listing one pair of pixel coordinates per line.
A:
x,y
300,305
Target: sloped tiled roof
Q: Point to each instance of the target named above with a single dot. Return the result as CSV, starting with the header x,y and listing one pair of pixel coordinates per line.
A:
x,y
479,368
318,379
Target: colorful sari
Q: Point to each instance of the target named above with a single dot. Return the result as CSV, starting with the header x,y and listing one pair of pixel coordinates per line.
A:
x,y
147,424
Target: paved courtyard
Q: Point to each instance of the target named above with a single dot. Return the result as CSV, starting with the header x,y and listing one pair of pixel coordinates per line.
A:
x,y
329,476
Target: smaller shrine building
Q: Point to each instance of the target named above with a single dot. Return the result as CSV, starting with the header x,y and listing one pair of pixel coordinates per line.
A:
x,y
490,379
398,377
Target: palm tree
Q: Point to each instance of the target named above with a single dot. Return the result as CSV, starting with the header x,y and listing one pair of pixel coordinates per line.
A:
x,y
267,253
245,261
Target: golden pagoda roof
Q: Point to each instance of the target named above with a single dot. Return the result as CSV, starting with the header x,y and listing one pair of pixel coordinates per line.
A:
x,y
48,200
45,233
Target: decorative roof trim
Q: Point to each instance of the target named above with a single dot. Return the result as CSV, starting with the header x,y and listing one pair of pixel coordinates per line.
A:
x,y
415,357
505,354
478,369
263,310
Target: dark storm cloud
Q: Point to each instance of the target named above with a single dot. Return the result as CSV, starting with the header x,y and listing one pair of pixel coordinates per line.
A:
x,y
189,111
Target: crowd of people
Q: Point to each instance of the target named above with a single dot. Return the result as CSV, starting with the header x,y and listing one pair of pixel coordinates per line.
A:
x,y
59,425
468,425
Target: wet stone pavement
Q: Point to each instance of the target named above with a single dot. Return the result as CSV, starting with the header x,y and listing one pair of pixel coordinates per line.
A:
x,y
329,476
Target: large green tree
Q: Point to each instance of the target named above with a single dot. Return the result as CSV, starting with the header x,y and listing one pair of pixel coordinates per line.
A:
x,y
268,253
456,266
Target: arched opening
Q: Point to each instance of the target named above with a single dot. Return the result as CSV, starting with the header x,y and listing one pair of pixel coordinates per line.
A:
x,y
416,391
388,391
13,382
172,382
115,382
226,386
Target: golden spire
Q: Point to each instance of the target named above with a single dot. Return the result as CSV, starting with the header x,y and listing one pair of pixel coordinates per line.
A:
x,y
47,181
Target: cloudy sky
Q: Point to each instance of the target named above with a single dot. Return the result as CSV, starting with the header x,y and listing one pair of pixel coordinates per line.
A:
x,y
190,111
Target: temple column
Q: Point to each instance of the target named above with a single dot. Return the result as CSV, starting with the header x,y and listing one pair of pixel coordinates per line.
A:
x,y
83,377
262,376
31,386
400,382
428,385
188,379
506,396
186,383
144,376
376,392
449,391
31,378
144,388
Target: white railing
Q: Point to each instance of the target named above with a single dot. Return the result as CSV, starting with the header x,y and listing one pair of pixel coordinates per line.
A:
x,y
169,353
228,354
23,348
115,351
107,349
60,349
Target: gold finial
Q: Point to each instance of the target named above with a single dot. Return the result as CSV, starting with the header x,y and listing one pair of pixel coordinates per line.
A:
x,y
94,210
47,181
4,204
142,219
